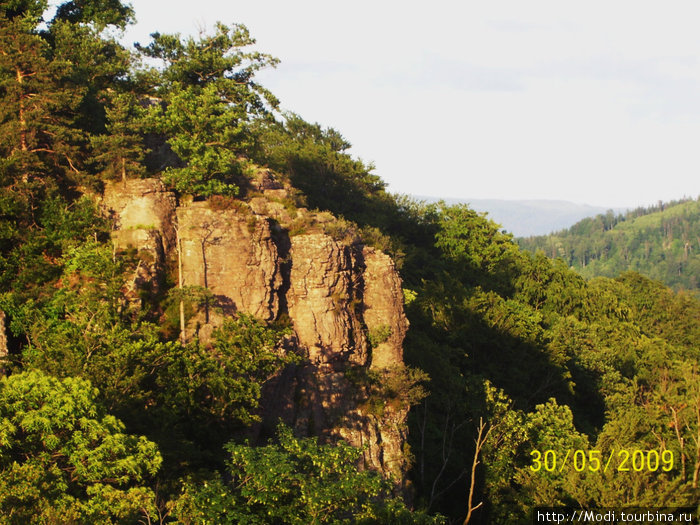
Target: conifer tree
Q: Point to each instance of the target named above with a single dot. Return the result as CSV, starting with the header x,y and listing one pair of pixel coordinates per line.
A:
x,y
210,98
51,82
119,152
24,77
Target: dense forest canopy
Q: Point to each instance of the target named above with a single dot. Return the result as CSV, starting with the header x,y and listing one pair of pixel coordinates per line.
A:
x,y
107,416
661,242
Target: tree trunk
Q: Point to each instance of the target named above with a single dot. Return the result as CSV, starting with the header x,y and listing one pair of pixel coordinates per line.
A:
x,y
3,343
681,441
480,441
22,116
183,336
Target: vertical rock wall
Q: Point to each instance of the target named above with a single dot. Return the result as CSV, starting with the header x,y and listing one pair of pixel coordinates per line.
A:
x,y
323,298
383,308
234,256
143,215
337,296
141,205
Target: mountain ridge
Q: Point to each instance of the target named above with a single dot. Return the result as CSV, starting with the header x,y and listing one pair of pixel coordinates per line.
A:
x,y
527,217
661,242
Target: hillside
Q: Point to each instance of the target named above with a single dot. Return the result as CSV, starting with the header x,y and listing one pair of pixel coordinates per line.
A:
x,y
524,218
661,242
546,359
212,313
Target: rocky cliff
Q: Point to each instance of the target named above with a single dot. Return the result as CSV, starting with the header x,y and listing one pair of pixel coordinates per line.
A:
x,y
343,300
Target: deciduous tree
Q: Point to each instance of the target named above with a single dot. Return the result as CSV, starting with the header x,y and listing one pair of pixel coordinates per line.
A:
x,y
63,459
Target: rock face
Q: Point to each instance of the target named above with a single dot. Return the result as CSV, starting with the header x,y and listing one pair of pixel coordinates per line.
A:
x,y
382,293
343,300
323,295
233,255
141,205
143,214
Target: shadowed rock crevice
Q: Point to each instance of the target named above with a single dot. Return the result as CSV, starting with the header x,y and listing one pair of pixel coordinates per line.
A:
x,y
280,237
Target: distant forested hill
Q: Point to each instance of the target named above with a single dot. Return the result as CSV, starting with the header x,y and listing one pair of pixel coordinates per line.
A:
x,y
661,242
523,218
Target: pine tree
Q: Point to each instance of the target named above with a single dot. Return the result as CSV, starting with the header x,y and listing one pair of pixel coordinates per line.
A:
x,y
119,152
26,103
51,82
210,98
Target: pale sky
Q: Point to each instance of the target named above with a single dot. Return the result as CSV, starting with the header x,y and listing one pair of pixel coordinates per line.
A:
x,y
595,102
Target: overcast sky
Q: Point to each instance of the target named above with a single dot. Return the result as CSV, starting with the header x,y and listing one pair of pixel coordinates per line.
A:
x,y
594,102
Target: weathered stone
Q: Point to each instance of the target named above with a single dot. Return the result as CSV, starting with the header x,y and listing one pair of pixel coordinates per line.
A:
x,y
335,294
233,255
275,210
264,180
143,214
383,311
322,300
383,436
142,204
148,244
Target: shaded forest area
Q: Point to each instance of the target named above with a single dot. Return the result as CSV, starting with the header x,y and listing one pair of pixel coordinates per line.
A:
x,y
107,417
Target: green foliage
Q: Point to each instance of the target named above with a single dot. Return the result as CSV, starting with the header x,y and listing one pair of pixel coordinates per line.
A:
x,y
30,9
395,388
101,13
205,136
658,311
246,350
477,245
119,152
193,298
62,459
292,481
30,256
317,164
379,335
536,330
660,242
209,98
551,427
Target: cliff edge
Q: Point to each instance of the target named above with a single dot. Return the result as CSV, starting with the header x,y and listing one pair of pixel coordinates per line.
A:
x,y
263,257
